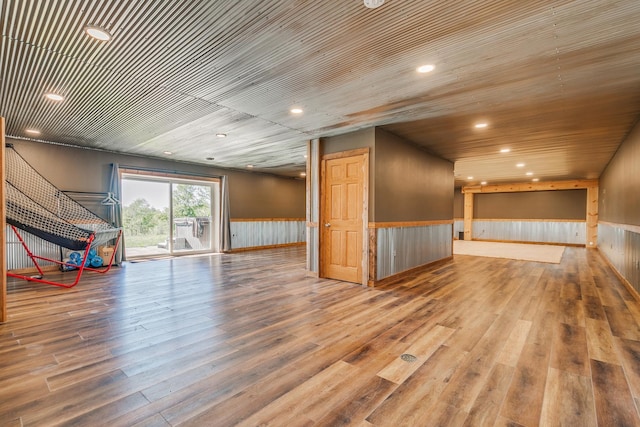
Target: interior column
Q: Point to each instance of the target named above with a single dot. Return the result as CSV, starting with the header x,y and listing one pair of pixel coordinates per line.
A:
x,y
468,215
592,216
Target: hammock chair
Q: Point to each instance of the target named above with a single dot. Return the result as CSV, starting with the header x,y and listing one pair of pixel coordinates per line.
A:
x,y
36,206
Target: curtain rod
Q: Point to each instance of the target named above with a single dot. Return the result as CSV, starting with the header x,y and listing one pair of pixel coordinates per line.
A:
x,y
168,171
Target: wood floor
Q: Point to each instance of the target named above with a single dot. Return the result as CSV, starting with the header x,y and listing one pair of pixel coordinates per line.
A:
x,y
246,339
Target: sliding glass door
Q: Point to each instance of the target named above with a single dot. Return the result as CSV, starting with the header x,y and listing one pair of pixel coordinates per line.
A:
x,y
146,217
192,218
169,216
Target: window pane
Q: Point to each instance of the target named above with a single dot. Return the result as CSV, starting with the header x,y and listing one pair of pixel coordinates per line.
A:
x,y
145,211
191,217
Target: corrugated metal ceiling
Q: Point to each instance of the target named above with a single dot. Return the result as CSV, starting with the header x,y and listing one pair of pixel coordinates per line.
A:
x,y
557,81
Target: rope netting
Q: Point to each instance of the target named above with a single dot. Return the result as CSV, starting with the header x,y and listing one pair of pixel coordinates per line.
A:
x,y
38,207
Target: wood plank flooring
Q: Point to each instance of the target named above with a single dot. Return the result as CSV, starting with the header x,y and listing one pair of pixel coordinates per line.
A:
x,y
247,339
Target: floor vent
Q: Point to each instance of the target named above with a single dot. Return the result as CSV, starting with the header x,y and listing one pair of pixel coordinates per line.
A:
x,y
408,357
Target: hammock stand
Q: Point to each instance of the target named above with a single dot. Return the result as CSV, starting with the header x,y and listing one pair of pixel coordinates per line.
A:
x,y
36,206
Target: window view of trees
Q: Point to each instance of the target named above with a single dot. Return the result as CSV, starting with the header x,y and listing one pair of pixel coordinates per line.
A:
x,y
148,226
191,201
144,224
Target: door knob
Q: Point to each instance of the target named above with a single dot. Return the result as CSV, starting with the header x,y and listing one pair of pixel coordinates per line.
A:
x,y
328,224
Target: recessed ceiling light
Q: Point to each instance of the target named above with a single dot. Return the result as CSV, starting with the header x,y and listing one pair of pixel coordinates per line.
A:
x,y
221,135
469,177
54,96
296,110
97,33
483,183
168,153
250,166
519,165
505,150
535,180
372,4
529,173
32,131
480,125
303,174
425,68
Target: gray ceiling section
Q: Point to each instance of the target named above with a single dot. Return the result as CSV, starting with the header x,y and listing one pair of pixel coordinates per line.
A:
x,y
556,81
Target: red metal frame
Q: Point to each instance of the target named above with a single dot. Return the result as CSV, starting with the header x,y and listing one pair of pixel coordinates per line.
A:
x,y
80,268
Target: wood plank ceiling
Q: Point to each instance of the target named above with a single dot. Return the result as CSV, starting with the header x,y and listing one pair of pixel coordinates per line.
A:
x,y
557,82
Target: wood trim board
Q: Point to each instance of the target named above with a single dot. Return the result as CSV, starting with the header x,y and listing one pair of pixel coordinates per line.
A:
x,y
397,224
527,220
265,219
575,184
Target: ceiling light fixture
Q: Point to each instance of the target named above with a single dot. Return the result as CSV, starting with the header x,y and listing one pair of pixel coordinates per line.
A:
x,y
250,166
520,165
54,96
296,110
32,131
425,68
535,179
505,150
221,135
372,4
168,153
97,33
529,173
483,183
481,125
469,177
303,174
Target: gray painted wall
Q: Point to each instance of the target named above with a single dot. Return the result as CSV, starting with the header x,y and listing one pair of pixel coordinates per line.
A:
x,y
565,204
458,203
619,208
410,184
365,138
620,183
252,195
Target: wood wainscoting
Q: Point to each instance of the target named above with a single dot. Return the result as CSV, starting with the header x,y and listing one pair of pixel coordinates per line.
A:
x,y
248,339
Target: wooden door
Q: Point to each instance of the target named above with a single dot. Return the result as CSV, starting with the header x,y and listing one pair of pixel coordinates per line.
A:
x,y
342,219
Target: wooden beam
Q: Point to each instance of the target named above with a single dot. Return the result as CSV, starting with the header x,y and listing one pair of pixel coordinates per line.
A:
x,y
575,184
592,217
468,215
3,242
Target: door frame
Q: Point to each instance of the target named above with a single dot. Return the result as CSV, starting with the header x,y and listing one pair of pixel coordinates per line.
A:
x,y
364,152
171,178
